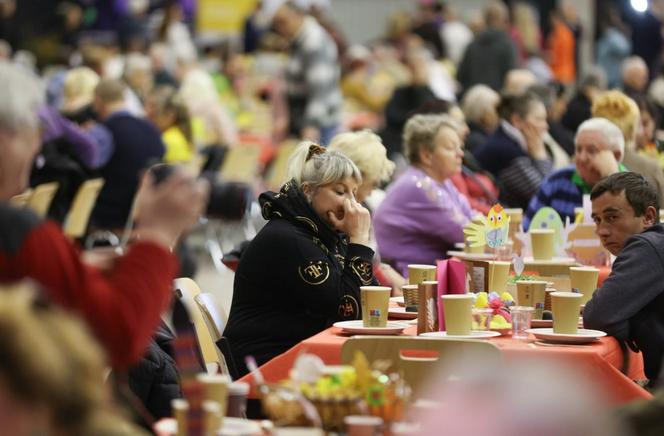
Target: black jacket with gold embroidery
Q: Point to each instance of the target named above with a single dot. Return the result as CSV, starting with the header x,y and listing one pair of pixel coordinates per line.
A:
x,y
295,279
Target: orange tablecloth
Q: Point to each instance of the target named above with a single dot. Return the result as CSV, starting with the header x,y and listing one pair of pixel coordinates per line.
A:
x,y
600,361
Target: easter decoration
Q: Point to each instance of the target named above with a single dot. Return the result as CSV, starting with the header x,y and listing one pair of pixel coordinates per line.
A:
x,y
499,316
491,230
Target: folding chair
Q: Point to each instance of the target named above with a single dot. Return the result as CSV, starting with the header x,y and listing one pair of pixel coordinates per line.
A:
x,y
42,197
76,222
215,320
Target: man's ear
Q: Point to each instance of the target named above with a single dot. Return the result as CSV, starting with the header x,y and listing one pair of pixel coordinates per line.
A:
x,y
651,216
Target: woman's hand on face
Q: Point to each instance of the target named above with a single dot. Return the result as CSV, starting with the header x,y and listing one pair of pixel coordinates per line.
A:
x,y
356,222
534,142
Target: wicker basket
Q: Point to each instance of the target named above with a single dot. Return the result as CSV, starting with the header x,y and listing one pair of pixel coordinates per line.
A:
x,y
410,293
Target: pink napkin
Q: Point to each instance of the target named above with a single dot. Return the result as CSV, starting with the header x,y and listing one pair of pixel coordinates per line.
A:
x,y
451,276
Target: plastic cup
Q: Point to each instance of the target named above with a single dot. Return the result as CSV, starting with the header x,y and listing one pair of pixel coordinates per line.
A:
x,y
531,293
375,303
237,399
498,272
360,425
566,307
583,279
457,309
521,316
542,243
420,273
482,318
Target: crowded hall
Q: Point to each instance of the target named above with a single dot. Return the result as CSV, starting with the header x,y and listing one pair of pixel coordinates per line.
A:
x,y
332,217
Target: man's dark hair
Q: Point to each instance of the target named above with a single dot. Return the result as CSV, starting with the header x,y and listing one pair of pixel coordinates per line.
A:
x,y
640,195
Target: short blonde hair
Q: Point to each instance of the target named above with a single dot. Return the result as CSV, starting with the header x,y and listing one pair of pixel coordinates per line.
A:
x,y
315,165
367,151
479,100
620,110
420,131
79,88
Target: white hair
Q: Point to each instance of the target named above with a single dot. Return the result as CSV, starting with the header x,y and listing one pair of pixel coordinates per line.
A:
x,y
612,134
137,62
477,101
21,95
367,151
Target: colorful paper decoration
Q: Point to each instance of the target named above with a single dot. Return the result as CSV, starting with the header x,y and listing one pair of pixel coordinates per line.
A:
x,y
491,230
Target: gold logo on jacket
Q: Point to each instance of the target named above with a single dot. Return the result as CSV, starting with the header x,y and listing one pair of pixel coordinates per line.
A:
x,y
362,269
315,273
348,309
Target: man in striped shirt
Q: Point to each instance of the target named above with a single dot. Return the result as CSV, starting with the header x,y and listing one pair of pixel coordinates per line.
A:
x,y
600,148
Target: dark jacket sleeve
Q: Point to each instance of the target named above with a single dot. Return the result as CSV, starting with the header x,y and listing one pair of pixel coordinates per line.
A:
x,y
635,281
323,286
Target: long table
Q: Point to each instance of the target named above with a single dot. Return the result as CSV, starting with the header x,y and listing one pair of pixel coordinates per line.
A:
x,y
600,361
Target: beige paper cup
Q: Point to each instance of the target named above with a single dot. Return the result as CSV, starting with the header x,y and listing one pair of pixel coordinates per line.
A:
x,y
457,309
583,279
180,410
532,294
375,302
215,389
498,273
410,294
515,214
420,273
542,241
566,307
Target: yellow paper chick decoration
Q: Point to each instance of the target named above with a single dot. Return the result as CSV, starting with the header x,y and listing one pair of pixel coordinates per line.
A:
x,y
492,230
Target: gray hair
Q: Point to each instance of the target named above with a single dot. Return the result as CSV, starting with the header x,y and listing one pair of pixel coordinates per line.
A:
x,y
21,95
595,77
318,166
420,131
477,101
612,134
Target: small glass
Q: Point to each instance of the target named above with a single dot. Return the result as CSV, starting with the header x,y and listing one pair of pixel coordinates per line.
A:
x,y
521,316
482,318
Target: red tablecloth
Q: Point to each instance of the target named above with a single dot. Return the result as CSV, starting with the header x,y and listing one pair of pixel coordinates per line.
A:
x,y
600,361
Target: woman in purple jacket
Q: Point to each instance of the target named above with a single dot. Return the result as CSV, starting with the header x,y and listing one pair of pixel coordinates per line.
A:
x,y
423,214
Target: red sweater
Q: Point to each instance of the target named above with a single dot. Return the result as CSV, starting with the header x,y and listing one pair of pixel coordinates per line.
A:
x,y
122,307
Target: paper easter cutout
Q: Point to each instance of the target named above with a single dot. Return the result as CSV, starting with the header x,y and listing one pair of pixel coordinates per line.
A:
x,y
548,218
491,230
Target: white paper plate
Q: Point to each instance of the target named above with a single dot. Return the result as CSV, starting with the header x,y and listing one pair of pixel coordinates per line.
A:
x,y
583,336
400,313
475,334
232,426
398,301
357,328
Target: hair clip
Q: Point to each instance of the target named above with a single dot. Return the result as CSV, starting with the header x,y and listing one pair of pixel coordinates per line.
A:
x,y
315,149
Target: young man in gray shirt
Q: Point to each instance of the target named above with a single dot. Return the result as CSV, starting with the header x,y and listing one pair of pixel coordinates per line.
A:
x,y
630,303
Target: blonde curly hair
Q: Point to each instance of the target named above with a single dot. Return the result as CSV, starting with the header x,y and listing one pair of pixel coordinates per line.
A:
x,y
621,110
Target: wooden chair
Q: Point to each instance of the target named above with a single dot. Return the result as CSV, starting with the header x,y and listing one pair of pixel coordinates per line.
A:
x,y
215,320
241,163
417,371
20,200
279,169
41,198
76,222
188,290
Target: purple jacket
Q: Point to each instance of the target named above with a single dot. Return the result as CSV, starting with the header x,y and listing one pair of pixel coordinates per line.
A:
x,y
419,220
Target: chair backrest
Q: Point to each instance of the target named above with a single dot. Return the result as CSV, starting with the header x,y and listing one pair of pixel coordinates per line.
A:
x,y
189,290
241,163
212,314
41,198
77,219
279,169
419,359
20,200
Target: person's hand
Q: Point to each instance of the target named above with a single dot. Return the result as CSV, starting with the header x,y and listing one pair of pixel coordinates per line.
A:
x,y
356,222
103,258
604,163
534,142
166,210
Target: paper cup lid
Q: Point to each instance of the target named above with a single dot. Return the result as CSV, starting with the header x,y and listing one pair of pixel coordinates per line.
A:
x,y
238,388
